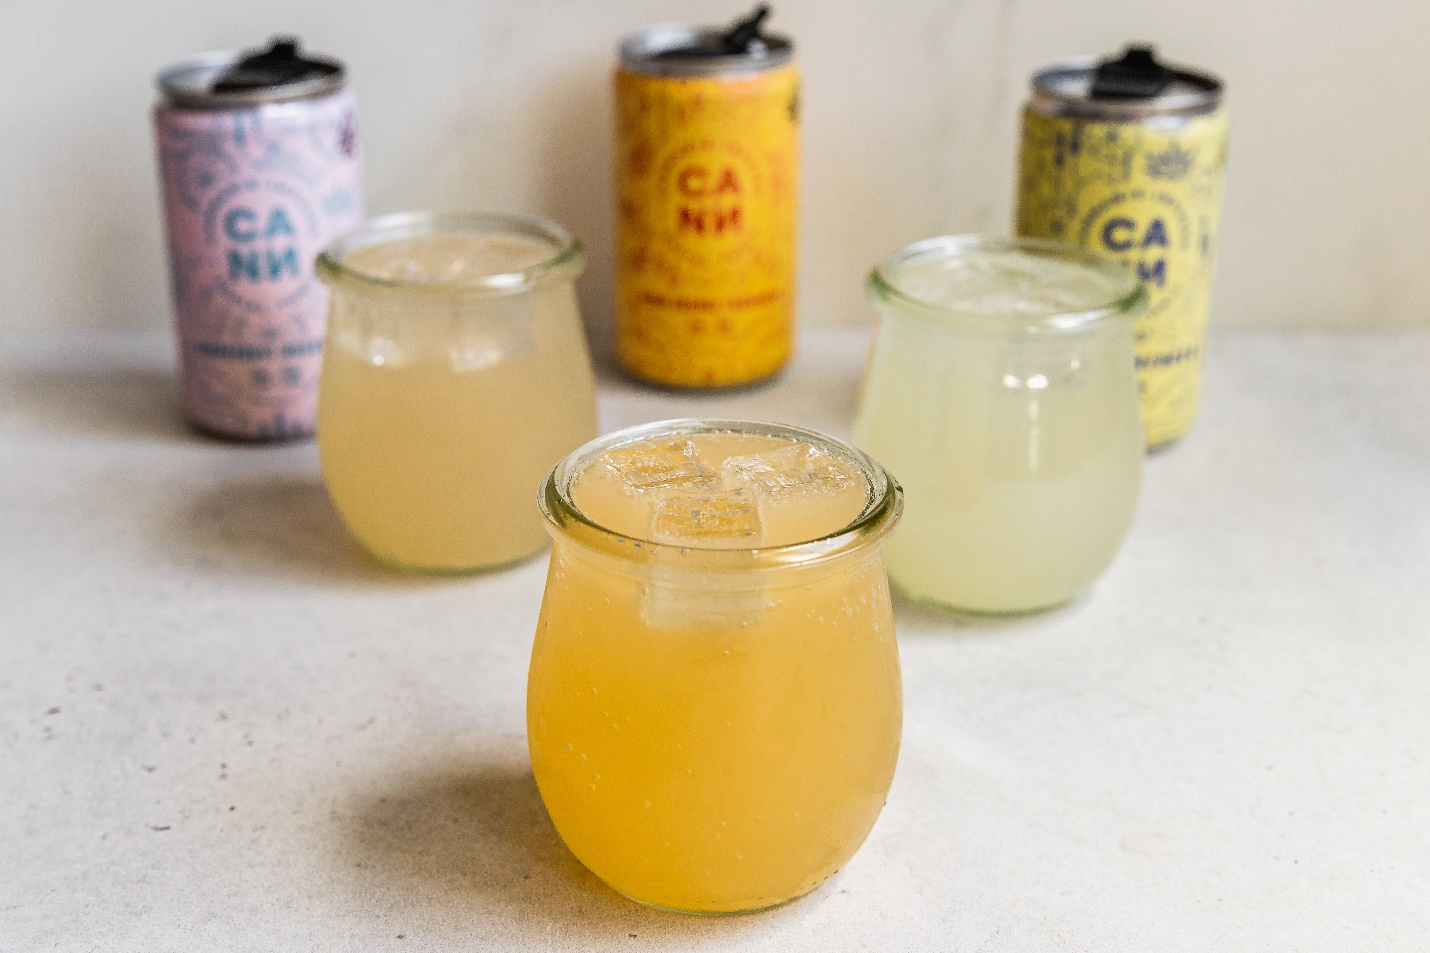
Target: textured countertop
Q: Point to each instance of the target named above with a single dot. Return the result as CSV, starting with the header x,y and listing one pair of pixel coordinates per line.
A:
x,y
222,728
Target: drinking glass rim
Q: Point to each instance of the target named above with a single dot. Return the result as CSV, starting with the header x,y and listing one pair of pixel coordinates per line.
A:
x,y
881,284
875,521
567,254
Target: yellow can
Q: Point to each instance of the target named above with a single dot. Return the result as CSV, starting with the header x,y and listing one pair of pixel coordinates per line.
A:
x,y
1126,157
707,137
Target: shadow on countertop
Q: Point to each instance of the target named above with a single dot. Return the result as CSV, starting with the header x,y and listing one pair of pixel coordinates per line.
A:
x,y
126,402
280,526
916,618
471,851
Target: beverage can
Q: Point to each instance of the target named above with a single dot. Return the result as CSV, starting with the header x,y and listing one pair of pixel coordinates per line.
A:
x,y
707,134
259,169
1126,156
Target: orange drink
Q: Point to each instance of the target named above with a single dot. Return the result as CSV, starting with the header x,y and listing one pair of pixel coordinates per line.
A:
x,y
714,701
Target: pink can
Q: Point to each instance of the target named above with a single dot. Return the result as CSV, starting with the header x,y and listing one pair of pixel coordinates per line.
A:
x,y
258,155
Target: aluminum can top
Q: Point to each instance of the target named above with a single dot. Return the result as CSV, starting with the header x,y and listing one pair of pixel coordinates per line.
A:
x,y
243,79
1133,87
672,49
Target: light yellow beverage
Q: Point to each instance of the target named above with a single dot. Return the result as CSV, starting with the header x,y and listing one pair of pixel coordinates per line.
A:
x,y
714,701
1002,392
455,375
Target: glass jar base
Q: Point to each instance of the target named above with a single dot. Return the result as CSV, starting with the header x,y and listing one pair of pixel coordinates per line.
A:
x,y
934,602
478,570
720,914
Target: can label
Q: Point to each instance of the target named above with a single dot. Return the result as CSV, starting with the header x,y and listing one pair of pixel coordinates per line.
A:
x,y
251,197
706,183
1148,195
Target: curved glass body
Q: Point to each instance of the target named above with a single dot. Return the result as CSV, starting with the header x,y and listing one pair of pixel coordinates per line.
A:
x,y
455,373
714,706
1002,391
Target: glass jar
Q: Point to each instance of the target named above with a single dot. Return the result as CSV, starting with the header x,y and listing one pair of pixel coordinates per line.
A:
x,y
714,730
455,373
1002,391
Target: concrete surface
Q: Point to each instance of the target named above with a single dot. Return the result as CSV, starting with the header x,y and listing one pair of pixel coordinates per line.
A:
x,y
223,728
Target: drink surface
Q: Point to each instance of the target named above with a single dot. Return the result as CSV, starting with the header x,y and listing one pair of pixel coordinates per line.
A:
x,y
439,415
251,196
1149,195
447,258
706,742
706,190
1009,283
1020,454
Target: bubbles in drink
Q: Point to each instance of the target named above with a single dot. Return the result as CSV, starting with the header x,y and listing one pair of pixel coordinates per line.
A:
x,y
793,470
660,467
682,518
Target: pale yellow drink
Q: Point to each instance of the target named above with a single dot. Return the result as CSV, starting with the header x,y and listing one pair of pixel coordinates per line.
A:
x,y
455,374
1002,392
714,701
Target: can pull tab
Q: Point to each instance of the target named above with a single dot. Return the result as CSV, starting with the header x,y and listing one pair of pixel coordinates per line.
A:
x,y
743,36
278,65
1136,74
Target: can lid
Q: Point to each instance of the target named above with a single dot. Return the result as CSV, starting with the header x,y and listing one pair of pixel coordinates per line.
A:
x,y
674,50
1133,86
229,78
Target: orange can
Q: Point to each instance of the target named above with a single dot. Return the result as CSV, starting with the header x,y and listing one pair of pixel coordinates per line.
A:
x,y
707,152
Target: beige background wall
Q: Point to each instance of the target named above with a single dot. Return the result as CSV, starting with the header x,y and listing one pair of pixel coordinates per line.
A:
x,y
910,131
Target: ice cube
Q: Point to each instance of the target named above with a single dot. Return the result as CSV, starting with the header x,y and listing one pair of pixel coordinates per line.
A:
x,y
660,467
790,471
412,271
382,351
685,518
475,355
499,330
396,269
709,602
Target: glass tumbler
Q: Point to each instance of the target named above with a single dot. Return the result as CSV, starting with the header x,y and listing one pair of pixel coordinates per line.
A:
x,y
1002,391
714,702
455,373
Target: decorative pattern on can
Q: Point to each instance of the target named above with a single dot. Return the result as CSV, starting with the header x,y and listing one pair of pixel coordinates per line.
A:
x,y
250,197
706,186
1147,193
